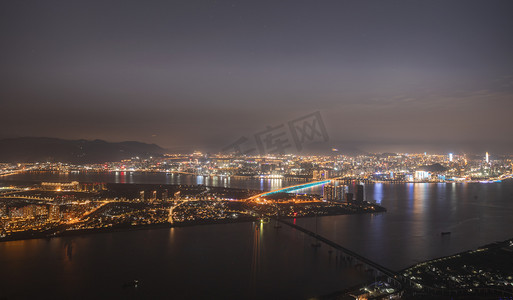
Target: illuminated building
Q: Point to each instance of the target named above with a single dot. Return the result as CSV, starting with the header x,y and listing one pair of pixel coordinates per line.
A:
x,y
340,192
332,192
487,158
15,212
328,192
320,174
141,196
92,187
54,213
40,210
422,175
60,186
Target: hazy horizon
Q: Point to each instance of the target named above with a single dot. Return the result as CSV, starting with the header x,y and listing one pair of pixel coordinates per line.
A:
x,y
330,148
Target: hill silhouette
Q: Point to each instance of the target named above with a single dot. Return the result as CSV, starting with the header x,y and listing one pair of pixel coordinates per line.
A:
x,y
42,149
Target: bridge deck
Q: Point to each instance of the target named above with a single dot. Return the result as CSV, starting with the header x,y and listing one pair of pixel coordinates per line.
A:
x,y
296,187
357,256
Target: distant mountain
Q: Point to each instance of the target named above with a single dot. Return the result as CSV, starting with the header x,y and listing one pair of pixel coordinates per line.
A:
x,y
433,168
40,149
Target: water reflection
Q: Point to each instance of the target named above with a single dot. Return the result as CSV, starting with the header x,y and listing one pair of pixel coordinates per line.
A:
x,y
378,192
409,231
420,197
262,184
131,177
256,259
68,248
409,191
171,237
275,184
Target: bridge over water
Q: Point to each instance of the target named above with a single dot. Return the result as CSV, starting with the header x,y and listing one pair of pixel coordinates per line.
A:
x,y
401,282
296,187
290,188
393,276
301,186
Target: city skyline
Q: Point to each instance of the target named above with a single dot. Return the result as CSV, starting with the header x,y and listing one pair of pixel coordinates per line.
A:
x,y
197,75
223,149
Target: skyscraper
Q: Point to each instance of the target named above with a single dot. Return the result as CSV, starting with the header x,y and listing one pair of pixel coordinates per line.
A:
x,y
54,212
340,191
328,192
359,193
334,192
349,197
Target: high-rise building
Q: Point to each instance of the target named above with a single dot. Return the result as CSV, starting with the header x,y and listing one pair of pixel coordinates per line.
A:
x,y
321,174
487,158
15,212
141,196
340,192
349,197
450,157
165,195
422,175
29,211
41,211
328,192
360,195
54,212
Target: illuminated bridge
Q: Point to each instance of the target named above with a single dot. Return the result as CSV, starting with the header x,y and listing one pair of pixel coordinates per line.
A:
x,y
296,187
290,189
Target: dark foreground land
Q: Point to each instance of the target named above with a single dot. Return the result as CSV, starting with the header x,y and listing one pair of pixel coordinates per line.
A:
x,y
486,272
483,273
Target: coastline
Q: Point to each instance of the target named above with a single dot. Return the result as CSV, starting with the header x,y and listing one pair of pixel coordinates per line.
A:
x,y
46,235
490,292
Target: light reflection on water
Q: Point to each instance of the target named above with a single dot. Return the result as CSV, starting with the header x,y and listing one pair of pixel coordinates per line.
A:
x,y
409,232
229,261
378,192
263,184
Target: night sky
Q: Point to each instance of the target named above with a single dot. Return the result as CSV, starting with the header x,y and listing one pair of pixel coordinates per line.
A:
x,y
385,75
